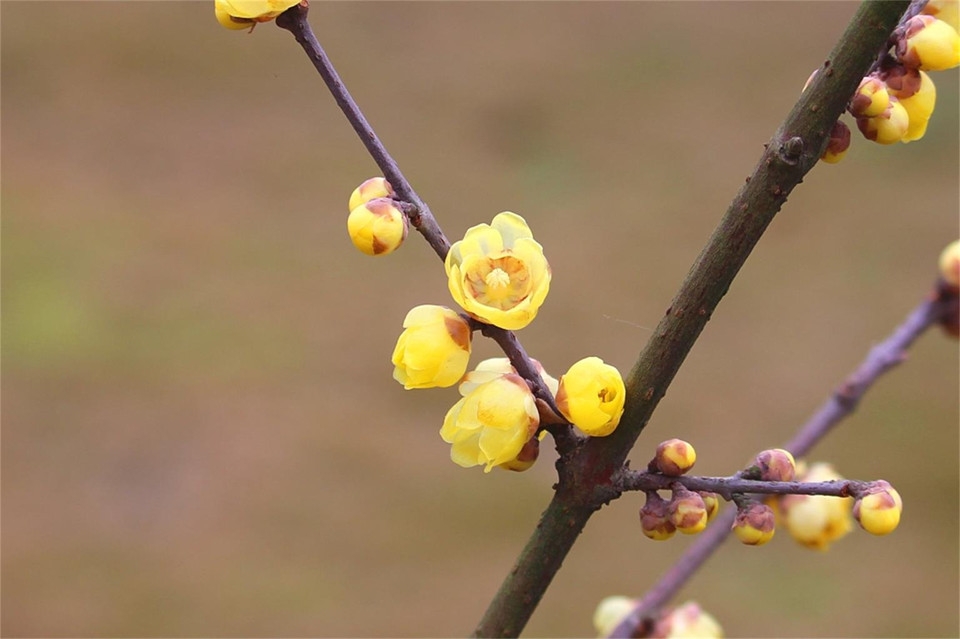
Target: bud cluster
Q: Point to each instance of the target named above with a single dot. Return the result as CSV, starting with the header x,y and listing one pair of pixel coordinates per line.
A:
x,y
894,103
687,511
497,274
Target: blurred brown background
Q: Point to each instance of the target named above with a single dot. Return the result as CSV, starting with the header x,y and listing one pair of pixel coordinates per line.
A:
x,y
200,431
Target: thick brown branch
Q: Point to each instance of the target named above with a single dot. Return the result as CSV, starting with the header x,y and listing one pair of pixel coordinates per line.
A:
x,y
789,155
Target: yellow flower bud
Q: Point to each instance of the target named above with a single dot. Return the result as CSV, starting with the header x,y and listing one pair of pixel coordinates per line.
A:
x,y
946,10
673,458
610,612
688,512
688,621
950,264
871,98
776,464
655,518
491,424
369,190
244,14
816,521
591,396
929,44
887,128
918,96
434,348
754,525
497,272
878,512
377,227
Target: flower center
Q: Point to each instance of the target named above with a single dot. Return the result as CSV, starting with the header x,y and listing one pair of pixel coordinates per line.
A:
x,y
501,282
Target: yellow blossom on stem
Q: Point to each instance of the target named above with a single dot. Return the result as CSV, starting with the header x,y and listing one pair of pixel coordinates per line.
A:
x,y
816,521
711,501
434,348
591,396
655,520
878,512
497,272
688,512
950,264
245,14
377,227
838,143
527,456
929,44
491,424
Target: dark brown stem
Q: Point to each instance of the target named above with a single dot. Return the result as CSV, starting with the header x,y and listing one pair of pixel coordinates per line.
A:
x,y
789,155
845,399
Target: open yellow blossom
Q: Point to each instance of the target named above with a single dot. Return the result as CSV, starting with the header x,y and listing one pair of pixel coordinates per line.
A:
x,y
497,273
591,396
245,14
434,348
491,424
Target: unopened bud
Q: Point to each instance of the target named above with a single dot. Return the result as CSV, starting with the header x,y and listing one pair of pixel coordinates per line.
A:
x,y
887,128
711,501
776,464
370,189
754,525
929,44
674,457
838,144
688,512
878,512
871,98
950,264
655,518
377,227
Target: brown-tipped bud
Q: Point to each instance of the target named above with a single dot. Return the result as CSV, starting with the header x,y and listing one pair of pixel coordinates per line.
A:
x,y
754,525
711,501
674,457
655,518
370,189
871,98
687,511
776,464
878,511
838,144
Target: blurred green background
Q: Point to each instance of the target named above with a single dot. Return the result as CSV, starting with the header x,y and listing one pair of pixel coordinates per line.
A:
x,y
201,436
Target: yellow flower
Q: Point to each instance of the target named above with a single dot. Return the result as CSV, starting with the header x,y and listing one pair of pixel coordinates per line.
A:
x,y
433,349
816,521
838,143
377,227
244,14
610,612
527,456
591,396
879,511
950,264
491,424
871,98
929,44
497,272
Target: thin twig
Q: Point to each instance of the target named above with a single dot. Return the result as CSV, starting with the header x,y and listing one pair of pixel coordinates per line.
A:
x,y
879,360
727,487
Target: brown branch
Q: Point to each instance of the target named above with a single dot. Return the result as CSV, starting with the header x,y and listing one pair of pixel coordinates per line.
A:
x,y
727,487
585,481
845,399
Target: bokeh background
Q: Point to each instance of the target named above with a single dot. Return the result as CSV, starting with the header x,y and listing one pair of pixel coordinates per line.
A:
x,y
201,436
